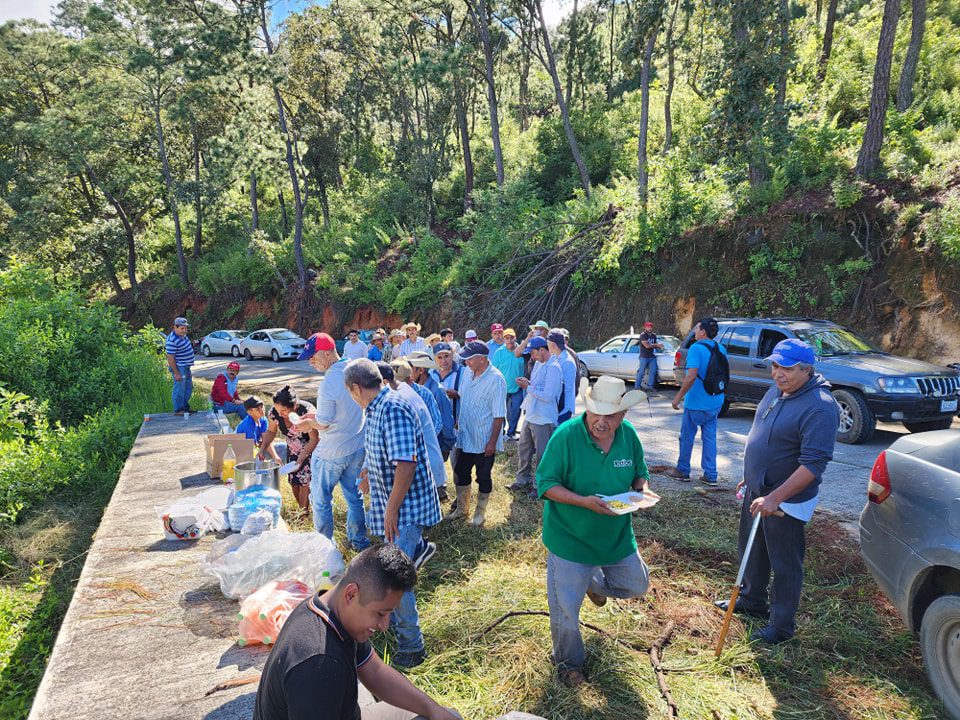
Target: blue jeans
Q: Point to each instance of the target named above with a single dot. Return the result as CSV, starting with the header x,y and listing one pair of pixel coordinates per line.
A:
x,y
706,420
231,407
327,474
405,619
647,365
514,401
567,584
182,389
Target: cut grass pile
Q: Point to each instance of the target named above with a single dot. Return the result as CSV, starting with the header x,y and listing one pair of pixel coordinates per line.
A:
x,y
852,657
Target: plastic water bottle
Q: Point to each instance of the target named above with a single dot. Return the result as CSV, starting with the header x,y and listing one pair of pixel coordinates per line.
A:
x,y
229,471
741,493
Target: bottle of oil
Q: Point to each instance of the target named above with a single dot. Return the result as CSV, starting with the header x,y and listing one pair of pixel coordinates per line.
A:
x,y
229,471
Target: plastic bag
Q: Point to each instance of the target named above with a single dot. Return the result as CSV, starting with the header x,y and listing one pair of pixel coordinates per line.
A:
x,y
257,523
264,613
274,555
190,519
251,500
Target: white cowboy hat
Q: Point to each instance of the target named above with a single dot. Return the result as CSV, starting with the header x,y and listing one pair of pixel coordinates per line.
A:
x,y
609,395
411,324
421,359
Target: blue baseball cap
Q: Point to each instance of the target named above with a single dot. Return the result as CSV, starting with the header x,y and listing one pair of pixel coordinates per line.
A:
x,y
792,351
316,343
474,348
536,342
442,347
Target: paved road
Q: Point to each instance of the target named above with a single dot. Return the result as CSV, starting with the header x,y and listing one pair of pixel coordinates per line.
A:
x,y
844,485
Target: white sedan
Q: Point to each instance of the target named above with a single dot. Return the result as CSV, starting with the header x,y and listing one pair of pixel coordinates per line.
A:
x,y
620,357
222,342
274,343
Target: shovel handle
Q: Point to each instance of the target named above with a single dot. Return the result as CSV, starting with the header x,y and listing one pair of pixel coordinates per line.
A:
x,y
725,628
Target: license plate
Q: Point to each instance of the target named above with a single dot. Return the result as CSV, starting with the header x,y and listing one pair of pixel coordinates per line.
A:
x,y
948,405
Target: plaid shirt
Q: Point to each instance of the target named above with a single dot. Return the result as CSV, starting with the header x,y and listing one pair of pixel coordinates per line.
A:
x,y
392,433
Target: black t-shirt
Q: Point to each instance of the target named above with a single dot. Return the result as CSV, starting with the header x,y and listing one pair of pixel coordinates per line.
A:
x,y
312,669
300,409
650,338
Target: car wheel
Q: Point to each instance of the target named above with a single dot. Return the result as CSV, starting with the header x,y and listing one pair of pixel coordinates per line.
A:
x,y
940,647
584,372
235,351
247,354
725,408
275,355
928,425
205,350
857,422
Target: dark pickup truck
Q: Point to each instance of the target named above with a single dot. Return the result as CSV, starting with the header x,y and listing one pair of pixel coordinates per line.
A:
x,y
868,384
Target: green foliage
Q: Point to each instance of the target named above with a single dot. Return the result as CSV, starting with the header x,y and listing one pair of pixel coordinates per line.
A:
x,y
846,191
942,228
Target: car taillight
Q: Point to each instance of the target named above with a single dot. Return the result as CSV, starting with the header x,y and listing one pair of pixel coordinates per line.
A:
x,y
878,489
677,359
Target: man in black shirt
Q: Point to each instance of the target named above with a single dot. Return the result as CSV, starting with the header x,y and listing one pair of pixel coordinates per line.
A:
x,y
648,359
324,648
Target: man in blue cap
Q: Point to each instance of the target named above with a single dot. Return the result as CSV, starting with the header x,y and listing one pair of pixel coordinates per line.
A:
x,y
787,452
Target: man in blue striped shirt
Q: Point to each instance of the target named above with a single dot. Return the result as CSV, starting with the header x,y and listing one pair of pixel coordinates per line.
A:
x,y
180,357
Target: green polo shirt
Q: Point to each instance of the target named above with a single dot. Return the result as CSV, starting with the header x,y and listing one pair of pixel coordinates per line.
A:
x,y
573,460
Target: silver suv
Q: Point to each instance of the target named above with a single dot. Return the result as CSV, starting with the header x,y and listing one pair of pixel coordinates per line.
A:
x,y
868,384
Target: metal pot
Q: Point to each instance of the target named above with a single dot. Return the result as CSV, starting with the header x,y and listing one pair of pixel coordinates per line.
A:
x,y
257,472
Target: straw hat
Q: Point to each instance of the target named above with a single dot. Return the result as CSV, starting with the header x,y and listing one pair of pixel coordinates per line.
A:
x,y
401,370
410,324
608,396
420,359
433,339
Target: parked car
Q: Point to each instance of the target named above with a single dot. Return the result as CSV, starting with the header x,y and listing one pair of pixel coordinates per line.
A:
x,y
620,356
222,342
275,343
868,384
910,541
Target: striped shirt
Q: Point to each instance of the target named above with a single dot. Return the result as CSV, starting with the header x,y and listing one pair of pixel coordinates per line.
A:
x,y
408,346
181,348
393,433
483,398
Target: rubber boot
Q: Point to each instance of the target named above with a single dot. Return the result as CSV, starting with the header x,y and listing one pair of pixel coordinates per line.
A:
x,y
463,504
479,515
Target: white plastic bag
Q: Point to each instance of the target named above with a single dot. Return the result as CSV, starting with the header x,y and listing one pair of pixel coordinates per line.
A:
x,y
274,555
257,523
190,519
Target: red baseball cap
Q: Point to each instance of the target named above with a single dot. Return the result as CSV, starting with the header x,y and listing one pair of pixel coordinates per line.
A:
x,y
316,343
233,365
648,324
495,327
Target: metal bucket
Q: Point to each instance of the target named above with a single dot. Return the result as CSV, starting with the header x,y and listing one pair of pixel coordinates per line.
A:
x,y
257,472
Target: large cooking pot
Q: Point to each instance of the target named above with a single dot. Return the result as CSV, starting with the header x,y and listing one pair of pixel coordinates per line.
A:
x,y
257,472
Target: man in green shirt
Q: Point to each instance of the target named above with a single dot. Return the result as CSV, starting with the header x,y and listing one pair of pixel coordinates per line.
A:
x,y
591,550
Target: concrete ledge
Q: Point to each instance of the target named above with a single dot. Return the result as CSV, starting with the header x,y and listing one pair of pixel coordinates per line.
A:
x,y
147,635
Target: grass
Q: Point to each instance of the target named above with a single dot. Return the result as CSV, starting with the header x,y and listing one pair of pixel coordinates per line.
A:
x,y
852,657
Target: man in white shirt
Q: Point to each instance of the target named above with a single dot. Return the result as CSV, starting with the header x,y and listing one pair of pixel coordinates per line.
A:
x,y
412,342
354,348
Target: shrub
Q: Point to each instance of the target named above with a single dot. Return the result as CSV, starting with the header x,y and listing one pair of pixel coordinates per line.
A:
x,y
942,228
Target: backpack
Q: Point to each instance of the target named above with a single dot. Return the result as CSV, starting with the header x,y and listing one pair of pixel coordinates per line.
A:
x,y
717,376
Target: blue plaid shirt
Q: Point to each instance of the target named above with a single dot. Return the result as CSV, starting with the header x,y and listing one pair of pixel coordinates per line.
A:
x,y
392,433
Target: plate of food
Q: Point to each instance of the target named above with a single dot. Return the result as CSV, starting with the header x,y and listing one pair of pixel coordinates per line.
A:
x,y
631,501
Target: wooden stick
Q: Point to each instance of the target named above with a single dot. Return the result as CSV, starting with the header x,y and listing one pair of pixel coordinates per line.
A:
x,y
726,620
655,656
229,684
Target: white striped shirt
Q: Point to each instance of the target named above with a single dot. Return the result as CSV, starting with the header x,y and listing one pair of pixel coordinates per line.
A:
x,y
407,347
483,398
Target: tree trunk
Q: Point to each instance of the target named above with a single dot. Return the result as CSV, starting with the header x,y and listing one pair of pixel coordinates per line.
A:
x,y
668,93
110,273
827,40
643,171
298,199
465,146
524,90
571,51
918,23
480,15
869,156
171,195
127,227
551,67
781,97
254,205
283,212
197,196
324,200
613,15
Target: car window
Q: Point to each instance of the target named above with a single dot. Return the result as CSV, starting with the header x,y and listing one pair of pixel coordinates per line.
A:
x,y
768,341
669,343
239,334
257,336
835,341
285,335
738,339
613,346
633,346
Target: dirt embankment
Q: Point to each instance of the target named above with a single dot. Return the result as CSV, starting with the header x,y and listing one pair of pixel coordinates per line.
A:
x,y
863,266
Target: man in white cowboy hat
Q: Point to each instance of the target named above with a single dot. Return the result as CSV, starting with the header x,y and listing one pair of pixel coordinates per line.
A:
x,y
592,551
412,342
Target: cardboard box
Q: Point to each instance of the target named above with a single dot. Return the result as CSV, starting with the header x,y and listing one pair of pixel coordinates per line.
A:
x,y
214,446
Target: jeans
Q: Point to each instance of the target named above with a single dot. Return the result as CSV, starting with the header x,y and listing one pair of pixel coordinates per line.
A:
x,y
231,407
567,584
514,401
647,365
706,420
779,546
327,474
405,619
465,464
182,389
